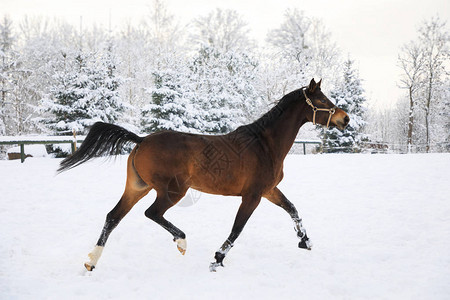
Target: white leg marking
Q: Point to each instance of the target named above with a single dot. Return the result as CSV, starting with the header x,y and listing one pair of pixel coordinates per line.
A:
x,y
309,244
298,226
94,256
182,245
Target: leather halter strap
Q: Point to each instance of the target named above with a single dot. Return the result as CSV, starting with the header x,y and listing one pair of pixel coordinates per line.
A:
x,y
331,111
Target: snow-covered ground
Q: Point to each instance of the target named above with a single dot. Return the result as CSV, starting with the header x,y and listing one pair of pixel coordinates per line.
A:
x,y
380,225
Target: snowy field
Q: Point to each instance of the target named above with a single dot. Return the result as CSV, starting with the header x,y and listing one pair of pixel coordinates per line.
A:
x,y
380,225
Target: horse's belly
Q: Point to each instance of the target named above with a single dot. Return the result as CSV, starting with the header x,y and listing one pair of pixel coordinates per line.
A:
x,y
211,182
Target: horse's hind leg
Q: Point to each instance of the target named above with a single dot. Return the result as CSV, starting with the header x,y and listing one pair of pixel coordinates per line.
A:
x,y
135,189
167,196
276,196
128,200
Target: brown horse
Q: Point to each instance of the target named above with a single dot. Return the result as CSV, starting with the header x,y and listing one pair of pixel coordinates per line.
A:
x,y
247,162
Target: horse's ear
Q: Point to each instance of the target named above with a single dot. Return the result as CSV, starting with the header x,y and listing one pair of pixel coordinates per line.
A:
x,y
312,86
319,83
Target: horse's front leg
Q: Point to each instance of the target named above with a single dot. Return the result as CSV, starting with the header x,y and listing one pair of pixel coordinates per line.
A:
x,y
276,196
248,205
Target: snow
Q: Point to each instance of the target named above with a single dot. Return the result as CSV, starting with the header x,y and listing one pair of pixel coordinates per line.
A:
x,y
380,225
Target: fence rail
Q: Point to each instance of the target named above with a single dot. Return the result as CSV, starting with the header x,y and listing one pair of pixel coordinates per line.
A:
x,y
41,140
313,142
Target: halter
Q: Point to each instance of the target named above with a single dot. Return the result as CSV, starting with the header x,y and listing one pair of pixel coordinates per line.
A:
x,y
331,111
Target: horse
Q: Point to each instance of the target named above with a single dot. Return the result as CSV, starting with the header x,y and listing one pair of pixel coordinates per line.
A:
x,y
247,162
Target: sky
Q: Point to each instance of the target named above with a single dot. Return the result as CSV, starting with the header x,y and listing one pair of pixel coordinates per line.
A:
x,y
369,32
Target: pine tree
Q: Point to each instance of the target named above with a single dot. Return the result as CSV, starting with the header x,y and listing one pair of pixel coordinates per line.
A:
x,y
66,102
224,87
86,91
108,106
171,107
349,96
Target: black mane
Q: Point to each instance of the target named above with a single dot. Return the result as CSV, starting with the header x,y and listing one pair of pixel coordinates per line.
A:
x,y
267,119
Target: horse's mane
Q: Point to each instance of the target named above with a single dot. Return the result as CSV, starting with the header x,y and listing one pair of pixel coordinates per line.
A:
x,y
267,119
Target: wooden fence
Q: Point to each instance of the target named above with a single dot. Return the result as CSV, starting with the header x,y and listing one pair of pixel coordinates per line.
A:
x,y
42,140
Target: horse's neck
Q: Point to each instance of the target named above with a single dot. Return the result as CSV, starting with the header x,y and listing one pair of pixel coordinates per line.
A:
x,y
285,129
284,123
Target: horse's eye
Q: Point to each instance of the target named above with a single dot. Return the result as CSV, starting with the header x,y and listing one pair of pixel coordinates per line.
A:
x,y
322,100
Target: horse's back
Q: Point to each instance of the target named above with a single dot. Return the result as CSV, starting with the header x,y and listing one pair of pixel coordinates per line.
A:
x,y
164,153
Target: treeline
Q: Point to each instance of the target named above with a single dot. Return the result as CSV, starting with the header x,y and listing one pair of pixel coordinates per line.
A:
x,y
420,121
207,77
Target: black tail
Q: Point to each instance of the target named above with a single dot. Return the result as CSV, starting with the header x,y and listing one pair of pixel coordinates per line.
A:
x,y
102,139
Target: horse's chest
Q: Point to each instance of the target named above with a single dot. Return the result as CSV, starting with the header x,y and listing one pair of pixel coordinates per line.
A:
x,y
269,176
277,176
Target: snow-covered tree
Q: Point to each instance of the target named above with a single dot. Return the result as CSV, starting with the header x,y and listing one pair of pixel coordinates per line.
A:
x,y
224,30
424,64
66,100
349,96
211,92
291,37
135,58
16,88
411,61
305,46
443,115
86,92
153,47
8,65
161,29
21,97
434,38
108,103
172,107
224,87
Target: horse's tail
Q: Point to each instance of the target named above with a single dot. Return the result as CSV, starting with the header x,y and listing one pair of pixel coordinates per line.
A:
x,y
102,139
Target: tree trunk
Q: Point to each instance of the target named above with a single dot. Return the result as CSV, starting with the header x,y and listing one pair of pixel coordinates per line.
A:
x,y
427,112
410,120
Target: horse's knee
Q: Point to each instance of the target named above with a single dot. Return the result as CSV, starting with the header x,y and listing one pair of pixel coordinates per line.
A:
x,y
150,213
153,213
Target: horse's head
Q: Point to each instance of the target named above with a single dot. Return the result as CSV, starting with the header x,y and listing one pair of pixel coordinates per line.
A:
x,y
321,109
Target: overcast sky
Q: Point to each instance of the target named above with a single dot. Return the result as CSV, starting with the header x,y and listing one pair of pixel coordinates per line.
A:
x,y
370,32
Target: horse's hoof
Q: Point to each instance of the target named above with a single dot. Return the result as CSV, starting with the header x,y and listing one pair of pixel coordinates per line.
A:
x,y
213,266
181,245
182,251
89,267
305,244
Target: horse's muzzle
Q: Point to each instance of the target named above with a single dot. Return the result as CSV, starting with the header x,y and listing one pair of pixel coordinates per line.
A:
x,y
340,119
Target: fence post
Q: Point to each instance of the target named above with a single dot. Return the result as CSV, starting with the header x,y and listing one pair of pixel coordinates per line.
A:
x,y
22,153
74,143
